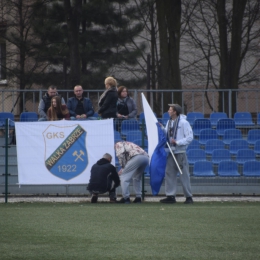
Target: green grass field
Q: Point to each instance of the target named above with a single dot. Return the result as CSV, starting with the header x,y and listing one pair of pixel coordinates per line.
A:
x,y
229,230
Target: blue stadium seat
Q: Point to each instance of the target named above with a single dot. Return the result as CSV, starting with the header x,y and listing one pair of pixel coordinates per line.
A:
x,y
194,145
231,134
219,155
199,124
243,119
236,145
252,136
195,155
224,124
165,118
207,134
257,148
129,125
213,144
192,116
228,169
133,135
96,115
251,169
215,116
203,169
117,136
28,117
142,117
258,119
244,155
139,142
4,116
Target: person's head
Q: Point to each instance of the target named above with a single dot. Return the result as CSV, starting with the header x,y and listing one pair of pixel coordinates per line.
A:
x,y
122,92
107,156
52,91
174,110
110,82
56,102
78,91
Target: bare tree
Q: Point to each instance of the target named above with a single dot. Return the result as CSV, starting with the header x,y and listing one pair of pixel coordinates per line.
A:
x,y
20,66
225,37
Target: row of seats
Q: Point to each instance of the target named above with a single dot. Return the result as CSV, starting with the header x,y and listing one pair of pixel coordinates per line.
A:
x,y
240,118
225,169
24,117
228,135
219,155
233,146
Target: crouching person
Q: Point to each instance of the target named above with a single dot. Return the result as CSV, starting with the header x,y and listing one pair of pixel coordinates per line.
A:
x,y
103,178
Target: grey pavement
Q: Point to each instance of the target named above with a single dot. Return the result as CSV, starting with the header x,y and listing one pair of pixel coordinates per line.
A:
x,y
86,199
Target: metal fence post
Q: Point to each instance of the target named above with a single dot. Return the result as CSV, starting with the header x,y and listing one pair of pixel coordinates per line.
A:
x,y
6,158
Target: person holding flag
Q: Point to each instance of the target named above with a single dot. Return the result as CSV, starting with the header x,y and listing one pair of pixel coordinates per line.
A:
x,y
179,136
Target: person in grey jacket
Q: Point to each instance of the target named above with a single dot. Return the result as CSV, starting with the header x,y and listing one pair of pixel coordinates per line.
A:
x,y
79,106
45,102
126,107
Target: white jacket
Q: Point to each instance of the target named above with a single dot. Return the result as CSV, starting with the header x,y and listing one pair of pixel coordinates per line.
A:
x,y
184,135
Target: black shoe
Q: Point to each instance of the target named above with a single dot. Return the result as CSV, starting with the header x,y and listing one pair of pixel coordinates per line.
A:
x,y
113,200
168,199
137,200
188,200
94,198
126,201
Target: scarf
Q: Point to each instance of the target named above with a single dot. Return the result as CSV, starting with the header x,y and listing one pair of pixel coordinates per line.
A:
x,y
172,131
102,97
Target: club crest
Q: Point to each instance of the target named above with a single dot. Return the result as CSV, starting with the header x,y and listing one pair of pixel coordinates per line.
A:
x,y
65,150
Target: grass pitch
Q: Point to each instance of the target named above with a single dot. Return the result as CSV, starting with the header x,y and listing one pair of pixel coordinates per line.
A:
x,y
211,230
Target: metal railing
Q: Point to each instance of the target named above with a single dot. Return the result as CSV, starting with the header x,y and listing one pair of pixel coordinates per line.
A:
x,y
205,101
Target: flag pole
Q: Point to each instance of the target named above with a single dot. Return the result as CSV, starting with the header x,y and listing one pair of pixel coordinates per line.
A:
x,y
174,158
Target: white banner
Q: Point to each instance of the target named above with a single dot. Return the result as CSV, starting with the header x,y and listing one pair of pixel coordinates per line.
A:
x,y
151,128
61,152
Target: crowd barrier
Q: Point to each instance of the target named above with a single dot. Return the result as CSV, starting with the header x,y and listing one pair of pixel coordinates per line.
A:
x,y
222,159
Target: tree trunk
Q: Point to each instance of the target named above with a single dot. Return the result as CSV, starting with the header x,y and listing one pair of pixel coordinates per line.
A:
x,y
169,22
230,60
73,15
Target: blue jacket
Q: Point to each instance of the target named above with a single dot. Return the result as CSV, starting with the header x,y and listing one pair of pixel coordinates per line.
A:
x,y
88,107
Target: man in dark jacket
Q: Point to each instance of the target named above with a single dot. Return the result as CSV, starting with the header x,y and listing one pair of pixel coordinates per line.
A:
x,y
104,178
80,107
45,102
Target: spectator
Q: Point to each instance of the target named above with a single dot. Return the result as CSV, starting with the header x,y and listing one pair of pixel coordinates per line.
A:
x,y
57,111
103,178
45,102
80,107
133,160
179,136
126,107
107,101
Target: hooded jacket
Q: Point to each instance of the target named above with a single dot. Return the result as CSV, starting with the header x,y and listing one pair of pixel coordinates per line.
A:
x,y
184,135
99,176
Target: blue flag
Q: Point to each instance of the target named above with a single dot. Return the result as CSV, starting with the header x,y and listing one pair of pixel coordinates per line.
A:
x,y
158,162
